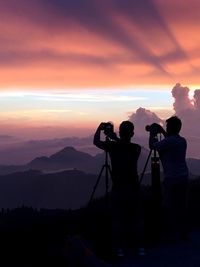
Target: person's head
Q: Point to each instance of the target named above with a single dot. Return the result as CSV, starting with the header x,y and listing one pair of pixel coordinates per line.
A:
x,y
126,130
173,125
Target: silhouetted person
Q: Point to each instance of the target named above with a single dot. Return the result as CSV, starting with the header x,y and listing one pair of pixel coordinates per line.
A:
x,y
172,152
125,183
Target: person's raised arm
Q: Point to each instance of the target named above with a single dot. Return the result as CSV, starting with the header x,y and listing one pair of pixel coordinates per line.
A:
x,y
153,139
97,137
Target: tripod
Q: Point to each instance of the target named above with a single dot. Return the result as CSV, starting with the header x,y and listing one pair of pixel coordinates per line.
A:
x,y
156,193
155,174
108,172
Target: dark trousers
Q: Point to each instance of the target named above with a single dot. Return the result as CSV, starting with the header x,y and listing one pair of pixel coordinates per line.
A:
x,y
126,217
175,204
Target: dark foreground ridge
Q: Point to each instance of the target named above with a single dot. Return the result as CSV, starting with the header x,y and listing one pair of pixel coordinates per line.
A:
x,y
33,237
177,254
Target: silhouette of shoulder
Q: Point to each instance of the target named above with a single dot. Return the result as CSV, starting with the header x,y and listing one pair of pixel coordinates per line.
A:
x,y
120,145
171,142
124,157
124,152
136,146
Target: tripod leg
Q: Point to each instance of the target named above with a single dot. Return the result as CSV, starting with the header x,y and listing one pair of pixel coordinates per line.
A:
x,y
97,182
156,195
145,166
108,171
156,185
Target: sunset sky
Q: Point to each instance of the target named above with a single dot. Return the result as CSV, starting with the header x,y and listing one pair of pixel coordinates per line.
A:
x,y
70,64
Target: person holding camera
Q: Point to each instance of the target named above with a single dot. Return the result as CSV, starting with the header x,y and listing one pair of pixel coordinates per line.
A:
x,y
125,182
172,153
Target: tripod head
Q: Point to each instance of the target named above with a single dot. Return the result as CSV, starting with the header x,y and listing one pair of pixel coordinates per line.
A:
x,y
155,136
155,129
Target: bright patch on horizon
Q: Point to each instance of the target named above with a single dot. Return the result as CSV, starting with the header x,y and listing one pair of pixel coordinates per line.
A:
x,y
85,96
78,107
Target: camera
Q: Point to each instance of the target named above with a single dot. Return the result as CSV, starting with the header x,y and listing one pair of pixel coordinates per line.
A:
x,y
154,128
108,128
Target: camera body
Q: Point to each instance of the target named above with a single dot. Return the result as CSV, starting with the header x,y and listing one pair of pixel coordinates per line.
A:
x,y
108,128
154,128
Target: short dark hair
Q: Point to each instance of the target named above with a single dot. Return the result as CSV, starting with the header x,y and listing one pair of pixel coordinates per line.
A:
x,y
175,124
126,128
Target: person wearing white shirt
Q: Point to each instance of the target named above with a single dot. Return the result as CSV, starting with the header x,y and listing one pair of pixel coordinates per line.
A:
x,y
172,153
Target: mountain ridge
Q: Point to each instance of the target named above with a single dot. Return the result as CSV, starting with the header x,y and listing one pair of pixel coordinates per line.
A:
x,y
68,189
71,158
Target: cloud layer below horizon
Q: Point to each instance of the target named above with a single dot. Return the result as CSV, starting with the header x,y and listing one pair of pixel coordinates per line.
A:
x,y
92,43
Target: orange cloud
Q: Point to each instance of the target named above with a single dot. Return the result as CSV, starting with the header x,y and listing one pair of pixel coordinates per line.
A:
x,y
58,43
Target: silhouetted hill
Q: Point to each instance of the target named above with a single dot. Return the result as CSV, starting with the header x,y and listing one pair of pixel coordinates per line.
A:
x,y
70,158
31,237
67,158
21,152
67,189
18,152
70,154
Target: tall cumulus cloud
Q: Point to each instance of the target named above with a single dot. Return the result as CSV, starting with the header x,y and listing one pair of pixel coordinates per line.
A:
x,y
143,117
185,107
188,109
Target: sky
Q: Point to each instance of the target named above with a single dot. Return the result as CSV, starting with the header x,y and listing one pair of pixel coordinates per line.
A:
x,y
67,65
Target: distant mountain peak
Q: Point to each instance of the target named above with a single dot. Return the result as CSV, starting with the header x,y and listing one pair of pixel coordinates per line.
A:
x,y
67,149
69,153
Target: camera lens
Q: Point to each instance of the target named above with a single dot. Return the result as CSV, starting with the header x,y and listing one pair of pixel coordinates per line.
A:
x,y
148,128
108,128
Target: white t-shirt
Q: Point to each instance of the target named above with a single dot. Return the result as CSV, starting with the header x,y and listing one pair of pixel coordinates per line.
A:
x,y
172,152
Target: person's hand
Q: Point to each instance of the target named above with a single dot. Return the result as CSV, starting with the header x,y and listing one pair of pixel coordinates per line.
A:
x,y
159,128
113,136
101,126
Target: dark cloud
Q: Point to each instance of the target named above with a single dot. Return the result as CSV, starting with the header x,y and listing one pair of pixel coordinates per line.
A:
x,y
108,20
6,137
25,57
100,19
145,12
97,17
146,16
173,56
